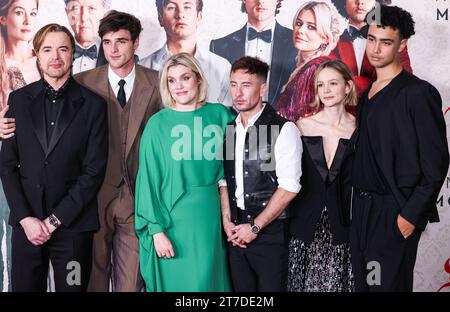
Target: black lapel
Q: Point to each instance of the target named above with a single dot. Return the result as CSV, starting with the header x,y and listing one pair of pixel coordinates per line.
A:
x,y
346,36
381,107
314,147
37,112
343,150
237,44
71,105
280,61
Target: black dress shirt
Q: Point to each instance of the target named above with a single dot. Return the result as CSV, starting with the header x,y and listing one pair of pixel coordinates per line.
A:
x,y
366,174
53,102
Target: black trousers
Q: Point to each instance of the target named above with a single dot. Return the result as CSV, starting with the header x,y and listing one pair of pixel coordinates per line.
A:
x,y
382,259
69,252
262,266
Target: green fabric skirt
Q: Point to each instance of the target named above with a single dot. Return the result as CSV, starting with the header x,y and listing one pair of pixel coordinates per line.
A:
x,y
200,262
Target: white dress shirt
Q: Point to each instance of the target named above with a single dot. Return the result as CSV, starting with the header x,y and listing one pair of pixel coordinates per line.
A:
x,y
261,49
84,63
216,70
359,45
288,154
114,79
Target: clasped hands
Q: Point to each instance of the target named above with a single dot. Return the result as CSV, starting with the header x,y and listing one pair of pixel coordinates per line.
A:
x,y
239,235
37,231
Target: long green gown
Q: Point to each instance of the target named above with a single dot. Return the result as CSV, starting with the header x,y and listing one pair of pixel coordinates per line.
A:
x,y
177,192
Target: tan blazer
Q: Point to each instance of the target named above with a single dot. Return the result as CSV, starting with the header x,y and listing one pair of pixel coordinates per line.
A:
x,y
145,100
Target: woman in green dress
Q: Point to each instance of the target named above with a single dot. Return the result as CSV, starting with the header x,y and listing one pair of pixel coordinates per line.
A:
x,y
178,219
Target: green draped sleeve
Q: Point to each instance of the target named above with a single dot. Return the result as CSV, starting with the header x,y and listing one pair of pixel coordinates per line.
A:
x,y
152,214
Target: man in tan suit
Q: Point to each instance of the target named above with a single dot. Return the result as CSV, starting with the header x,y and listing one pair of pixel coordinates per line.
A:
x,y
132,95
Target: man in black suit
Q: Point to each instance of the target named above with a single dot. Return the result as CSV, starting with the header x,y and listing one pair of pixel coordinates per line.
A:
x,y
264,38
52,169
400,163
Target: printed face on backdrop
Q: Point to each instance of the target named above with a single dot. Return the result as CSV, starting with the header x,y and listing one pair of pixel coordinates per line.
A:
x,y
55,55
180,19
183,85
246,90
332,87
84,18
383,45
119,48
260,11
306,36
21,20
358,9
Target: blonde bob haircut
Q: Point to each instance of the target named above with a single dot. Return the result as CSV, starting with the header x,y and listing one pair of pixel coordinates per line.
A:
x,y
351,98
190,62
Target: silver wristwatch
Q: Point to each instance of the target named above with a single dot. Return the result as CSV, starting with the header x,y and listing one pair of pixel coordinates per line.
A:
x,y
255,227
53,221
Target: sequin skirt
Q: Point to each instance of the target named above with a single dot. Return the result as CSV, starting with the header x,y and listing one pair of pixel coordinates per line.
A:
x,y
320,266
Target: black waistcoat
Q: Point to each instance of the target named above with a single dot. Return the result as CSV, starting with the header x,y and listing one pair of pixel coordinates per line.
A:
x,y
260,180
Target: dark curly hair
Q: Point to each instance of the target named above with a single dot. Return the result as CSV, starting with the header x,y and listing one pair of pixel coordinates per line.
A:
x,y
396,18
244,10
340,5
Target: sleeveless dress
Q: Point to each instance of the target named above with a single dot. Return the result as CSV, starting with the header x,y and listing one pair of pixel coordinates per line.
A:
x,y
177,193
322,264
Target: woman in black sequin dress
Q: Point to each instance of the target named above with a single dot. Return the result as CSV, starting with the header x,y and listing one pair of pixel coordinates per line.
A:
x,y
319,250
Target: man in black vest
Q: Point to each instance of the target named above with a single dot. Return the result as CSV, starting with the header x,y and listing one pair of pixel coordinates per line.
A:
x,y
262,171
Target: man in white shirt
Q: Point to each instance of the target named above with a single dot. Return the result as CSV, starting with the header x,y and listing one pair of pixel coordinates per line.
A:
x,y
262,176
132,96
263,37
180,20
84,18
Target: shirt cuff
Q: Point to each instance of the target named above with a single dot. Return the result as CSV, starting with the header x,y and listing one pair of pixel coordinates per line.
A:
x,y
222,182
289,185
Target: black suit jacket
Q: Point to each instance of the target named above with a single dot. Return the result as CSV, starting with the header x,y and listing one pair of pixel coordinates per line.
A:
x,y
407,134
64,175
232,47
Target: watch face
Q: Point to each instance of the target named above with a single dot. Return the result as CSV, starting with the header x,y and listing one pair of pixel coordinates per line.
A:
x,y
255,229
53,221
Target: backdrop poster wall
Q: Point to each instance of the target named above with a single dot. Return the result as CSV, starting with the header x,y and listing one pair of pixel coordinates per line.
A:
x,y
430,60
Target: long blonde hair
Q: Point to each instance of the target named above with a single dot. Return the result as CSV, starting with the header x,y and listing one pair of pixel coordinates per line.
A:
x,y
4,85
190,62
351,99
327,23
